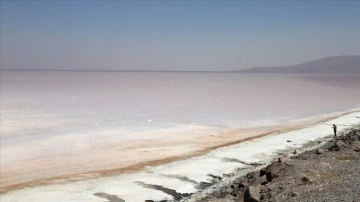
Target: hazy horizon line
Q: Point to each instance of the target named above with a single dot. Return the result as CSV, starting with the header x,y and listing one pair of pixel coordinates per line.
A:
x,y
117,70
159,70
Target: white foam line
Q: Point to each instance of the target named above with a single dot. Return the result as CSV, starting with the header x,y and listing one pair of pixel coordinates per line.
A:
x,y
182,176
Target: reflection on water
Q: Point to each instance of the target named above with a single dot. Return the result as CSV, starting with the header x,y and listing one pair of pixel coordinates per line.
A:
x,y
55,102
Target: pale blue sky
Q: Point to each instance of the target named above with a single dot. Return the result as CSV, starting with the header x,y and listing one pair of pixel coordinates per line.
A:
x,y
175,35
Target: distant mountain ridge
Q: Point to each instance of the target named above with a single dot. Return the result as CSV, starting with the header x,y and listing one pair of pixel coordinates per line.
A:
x,y
345,64
333,64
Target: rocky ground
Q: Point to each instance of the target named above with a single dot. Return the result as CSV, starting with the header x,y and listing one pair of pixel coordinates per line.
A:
x,y
328,173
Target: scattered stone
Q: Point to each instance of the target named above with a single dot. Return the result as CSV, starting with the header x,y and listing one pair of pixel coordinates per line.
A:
x,y
272,170
325,166
259,180
301,176
306,179
288,140
356,146
320,151
336,146
229,190
215,177
250,175
252,193
219,193
340,144
262,172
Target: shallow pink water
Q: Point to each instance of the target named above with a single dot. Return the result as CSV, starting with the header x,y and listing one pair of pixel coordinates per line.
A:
x,y
49,103
52,121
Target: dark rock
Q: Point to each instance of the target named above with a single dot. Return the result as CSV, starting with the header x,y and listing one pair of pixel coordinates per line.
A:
x,y
237,181
293,194
149,201
229,190
240,186
288,140
306,179
320,151
272,170
336,146
259,180
295,151
340,144
250,175
203,185
252,193
265,193
215,177
262,172
356,146
218,194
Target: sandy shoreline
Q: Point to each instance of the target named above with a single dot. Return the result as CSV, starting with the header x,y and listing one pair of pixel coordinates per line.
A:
x,y
155,164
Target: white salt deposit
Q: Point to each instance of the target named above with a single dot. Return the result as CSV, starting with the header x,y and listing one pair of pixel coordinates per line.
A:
x,y
183,176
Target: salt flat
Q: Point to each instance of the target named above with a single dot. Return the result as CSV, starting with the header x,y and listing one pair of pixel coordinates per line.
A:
x,y
168,181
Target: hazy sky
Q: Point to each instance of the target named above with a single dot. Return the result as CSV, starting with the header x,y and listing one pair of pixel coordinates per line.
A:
x,y
175,35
